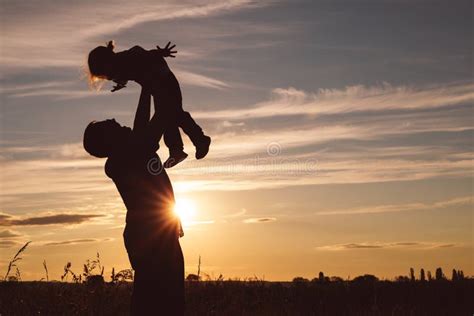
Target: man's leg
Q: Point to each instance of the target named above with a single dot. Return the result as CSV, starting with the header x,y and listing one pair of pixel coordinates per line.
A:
x,y
168,267
158,287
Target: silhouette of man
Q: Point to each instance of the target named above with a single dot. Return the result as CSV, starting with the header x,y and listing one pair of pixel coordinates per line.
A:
x,y
152,231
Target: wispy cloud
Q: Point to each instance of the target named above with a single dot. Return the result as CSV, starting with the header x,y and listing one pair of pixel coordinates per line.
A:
x,y
194,223
194,79
307,151
461,201
359,98
259,220
78,89
46,219
75,241
7,233
238,214
9,243
158,12
32,32
415,245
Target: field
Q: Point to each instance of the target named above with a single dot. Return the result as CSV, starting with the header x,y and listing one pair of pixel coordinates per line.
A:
x,y
360,297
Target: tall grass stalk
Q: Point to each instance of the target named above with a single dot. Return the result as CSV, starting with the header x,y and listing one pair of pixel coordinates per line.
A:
x,y
16,258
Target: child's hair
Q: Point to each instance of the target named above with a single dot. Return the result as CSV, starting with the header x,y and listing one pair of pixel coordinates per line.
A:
x,y
98,62
95,142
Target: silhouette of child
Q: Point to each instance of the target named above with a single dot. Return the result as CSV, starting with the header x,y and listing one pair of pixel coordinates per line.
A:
x,y
149,66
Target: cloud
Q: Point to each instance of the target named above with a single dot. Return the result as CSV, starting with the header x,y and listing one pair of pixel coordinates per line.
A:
x,y
358,98
46,219
380,146
194,79
32,31
20,88
75,241
238,214
9,243
460,201
259,220
161,12
69,90
232,124
382,245
7,233
194,223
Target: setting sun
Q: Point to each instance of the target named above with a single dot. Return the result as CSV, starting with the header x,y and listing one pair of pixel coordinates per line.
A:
x,y
185,209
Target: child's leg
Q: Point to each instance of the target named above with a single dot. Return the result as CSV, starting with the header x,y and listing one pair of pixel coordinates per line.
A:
x,y
172,135
172,101
165,104
184,119
190,127
195,133
173,139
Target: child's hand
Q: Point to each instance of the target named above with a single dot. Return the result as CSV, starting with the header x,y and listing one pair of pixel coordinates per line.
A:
x,y
167,51
119,85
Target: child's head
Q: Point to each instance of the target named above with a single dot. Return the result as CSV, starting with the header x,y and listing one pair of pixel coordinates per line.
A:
x,y
103,137
100,61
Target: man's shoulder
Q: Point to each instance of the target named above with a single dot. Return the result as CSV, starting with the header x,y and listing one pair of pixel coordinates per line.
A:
x,y
134,154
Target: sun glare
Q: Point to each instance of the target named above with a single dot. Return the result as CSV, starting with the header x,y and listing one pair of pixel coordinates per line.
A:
x,y
185,209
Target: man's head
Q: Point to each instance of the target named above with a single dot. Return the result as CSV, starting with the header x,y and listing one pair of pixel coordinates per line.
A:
x,y
103,137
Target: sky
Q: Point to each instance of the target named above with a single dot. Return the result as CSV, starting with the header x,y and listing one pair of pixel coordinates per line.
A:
x,y
342,134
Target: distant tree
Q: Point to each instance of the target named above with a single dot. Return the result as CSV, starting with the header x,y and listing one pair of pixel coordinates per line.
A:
x,y
412,275
439,274
402,278
336,279
366,278
422,275
192,277
460,275
321,276
300,280
430,277
454,276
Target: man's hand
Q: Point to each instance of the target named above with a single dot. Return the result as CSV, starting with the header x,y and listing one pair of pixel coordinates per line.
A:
x,y
146,84
167,50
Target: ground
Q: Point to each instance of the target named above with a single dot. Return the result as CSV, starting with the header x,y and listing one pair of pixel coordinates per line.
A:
x,y
249,298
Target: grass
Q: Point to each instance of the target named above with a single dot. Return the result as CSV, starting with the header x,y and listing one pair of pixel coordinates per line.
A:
x,y
249,298
89,294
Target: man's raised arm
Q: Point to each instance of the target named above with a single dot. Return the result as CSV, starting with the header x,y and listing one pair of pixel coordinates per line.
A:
x,y
142,116
149,131
155,129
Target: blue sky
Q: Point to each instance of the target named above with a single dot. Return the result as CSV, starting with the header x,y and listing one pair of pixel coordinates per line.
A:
x,y
342,132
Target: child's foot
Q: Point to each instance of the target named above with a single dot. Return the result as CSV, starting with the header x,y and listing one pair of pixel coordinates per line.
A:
x,y
175,158
202,148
